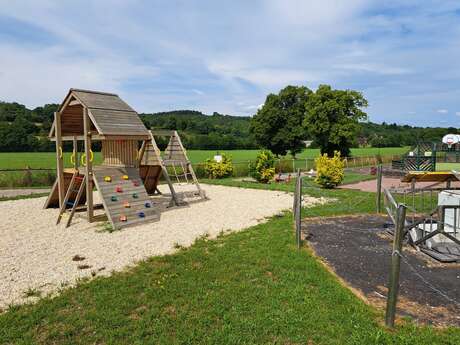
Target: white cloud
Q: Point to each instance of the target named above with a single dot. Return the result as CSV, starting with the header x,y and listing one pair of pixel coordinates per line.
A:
x,y
226,56
457,113
442,111
198,92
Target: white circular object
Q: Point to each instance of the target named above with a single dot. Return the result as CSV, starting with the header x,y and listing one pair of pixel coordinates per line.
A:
x,y
451,139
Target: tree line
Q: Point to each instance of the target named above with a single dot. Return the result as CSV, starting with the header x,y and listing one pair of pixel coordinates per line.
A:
x,y
26,130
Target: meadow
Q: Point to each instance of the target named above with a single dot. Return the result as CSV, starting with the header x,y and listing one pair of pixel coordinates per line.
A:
x,y
47,160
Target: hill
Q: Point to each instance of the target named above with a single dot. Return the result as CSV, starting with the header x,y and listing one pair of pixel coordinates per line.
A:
x,y
25,130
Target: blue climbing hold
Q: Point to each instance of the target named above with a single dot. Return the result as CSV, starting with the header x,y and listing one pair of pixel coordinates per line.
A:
x,y
147,204
141,214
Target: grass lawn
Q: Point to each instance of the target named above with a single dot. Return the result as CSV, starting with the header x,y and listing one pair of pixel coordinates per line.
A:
x,y
19,160
447,166
251,287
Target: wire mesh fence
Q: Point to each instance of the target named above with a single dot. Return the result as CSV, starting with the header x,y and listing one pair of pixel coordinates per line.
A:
x,y
31,177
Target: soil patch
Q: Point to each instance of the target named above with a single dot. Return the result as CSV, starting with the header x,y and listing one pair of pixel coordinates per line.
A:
x,y
358,249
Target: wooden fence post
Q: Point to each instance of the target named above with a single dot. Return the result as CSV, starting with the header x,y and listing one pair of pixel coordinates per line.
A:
x,y
298,204
379,187
393,286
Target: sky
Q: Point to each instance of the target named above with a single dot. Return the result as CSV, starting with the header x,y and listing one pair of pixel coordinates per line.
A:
x,y
227,56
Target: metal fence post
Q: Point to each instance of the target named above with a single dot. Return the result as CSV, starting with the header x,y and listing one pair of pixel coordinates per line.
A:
x,y
393,286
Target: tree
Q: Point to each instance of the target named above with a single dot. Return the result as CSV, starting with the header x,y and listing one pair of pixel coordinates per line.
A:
x,y
277,126
332,119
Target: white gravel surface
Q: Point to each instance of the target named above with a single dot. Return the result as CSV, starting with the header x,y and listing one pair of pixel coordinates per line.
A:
x,y
36,254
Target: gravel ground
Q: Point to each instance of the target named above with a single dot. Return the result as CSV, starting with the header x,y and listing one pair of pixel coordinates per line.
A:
x,y
36,254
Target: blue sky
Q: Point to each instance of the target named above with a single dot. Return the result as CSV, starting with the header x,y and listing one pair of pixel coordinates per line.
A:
x,y
226,56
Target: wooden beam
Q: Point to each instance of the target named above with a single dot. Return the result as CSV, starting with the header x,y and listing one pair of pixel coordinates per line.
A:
x,y
59,158
163,132
75,152
79,137
88,167
74,102
141,153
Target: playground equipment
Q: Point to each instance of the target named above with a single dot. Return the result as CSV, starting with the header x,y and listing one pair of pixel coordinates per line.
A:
x,y
425,155
126,178
174,158
421,157
432,224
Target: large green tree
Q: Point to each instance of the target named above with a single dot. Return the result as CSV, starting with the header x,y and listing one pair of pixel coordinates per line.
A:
x,y
277,126
332,118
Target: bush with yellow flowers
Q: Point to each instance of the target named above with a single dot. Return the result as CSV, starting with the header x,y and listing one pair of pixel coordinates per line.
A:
x,y
329,171
214,169
263,170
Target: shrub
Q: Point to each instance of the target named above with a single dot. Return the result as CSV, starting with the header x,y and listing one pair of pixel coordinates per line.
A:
x,y
329,170
214,169
263,169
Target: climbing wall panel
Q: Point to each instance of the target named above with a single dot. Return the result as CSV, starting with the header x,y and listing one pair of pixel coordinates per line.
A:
x,y
124,196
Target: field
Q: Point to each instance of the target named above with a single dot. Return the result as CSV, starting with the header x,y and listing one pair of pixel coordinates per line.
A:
x,y
447,166
44,160
251,287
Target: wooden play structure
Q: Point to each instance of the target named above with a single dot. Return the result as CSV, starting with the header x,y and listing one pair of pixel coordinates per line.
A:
x,y
127,176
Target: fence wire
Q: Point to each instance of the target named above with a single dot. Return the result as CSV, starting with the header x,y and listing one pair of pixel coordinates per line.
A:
x,y
427,283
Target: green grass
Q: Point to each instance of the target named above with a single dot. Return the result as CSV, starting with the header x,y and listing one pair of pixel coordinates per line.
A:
x,y
19,160
19,197
251,287
447,166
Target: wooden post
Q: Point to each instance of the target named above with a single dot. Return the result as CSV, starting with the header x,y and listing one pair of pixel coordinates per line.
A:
x,y
75,153
441,216
379,188
59,157
298,221
393,286
88,167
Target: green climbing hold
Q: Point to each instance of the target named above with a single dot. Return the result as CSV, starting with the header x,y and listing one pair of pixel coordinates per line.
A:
x,y
135,196
114,198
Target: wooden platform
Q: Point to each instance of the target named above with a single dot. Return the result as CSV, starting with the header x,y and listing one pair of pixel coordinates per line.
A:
x,y
150,175
53,198
116,209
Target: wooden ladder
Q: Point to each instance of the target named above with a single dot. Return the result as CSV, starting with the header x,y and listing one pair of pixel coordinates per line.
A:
x,y
74,204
